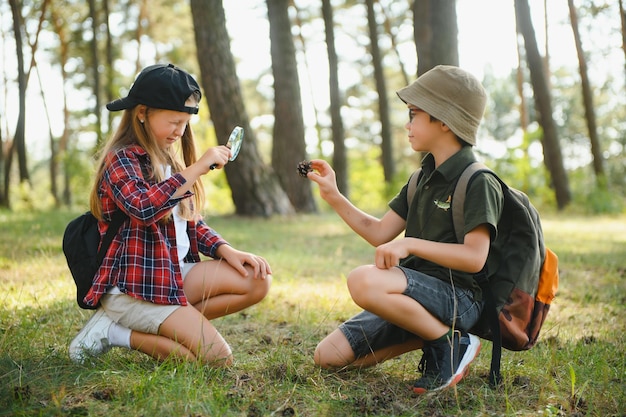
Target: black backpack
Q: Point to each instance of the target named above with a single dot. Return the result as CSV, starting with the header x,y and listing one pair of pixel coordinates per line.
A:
x,y
80,246
520,278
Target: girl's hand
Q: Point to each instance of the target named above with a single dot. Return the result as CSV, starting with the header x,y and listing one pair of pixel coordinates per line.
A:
x,y
238,259
215,157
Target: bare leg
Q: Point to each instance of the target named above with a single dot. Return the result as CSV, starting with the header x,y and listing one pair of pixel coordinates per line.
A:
x,y
216,289
380,292
186,335
335,352
213,289
198,337
159,347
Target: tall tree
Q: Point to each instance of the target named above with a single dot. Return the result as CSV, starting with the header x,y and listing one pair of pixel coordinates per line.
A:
x,y
60,27
95,70
381,89
340,160
109,94
590,114
436,33
254,186
309,72
391,30
3,200
18,144
622,14
288,145
552,156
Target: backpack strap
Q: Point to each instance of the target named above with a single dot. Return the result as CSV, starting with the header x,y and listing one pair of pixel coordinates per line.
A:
x,y
491,311
412,187
458,220
458,198
116,221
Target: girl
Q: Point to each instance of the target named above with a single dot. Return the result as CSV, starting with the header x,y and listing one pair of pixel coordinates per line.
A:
x,y
156,295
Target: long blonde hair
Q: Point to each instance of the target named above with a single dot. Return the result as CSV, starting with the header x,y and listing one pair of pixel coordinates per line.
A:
x,y
132,132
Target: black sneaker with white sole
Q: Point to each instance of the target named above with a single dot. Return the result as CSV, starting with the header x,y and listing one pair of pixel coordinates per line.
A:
x,y
445,363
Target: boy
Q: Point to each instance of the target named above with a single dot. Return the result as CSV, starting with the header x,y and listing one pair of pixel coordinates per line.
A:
x,y
420,291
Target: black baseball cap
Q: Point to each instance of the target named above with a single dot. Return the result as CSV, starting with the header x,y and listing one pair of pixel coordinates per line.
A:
x,y
160,86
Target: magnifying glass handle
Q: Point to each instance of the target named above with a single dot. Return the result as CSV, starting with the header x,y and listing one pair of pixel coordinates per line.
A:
x,y
234,144
213,166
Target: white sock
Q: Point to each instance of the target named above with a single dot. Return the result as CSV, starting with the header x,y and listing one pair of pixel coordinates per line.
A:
x,y
119,335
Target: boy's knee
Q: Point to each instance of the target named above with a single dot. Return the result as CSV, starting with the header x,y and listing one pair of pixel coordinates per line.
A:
x,y
357,277
321,358
333,352
360,284
317,357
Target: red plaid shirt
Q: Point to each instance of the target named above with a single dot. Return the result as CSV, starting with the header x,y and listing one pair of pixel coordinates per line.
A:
x,y
142,260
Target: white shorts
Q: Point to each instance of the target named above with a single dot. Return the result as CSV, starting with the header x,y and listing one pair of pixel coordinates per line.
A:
x,y
140,315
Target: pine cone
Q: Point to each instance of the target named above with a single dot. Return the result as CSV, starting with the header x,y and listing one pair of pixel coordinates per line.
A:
x,y
304,168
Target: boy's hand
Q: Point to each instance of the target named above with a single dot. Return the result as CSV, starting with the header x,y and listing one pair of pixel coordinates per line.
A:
x,y
324,176
389,254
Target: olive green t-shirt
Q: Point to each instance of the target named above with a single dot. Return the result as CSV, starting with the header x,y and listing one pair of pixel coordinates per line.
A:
x,y
430,217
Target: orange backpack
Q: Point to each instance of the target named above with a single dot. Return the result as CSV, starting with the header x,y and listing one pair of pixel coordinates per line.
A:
x,y
521,277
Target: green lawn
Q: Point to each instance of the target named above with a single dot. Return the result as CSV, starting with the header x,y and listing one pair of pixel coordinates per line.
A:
x,y
577,368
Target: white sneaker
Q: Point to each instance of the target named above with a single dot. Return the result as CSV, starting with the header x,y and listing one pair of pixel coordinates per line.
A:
x,y
93,339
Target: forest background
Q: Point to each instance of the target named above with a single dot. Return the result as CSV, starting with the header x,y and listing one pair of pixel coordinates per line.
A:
x,y
313,79
305,83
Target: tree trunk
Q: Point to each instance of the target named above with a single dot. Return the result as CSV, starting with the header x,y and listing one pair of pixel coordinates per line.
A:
x,y
254,186
18,144
299,28
3,198
60,29
142,18
95,65
590,114
622,14
523,107
109,76
54,151
436,33
381,88
288,145
340,160
552,157
391,31
422,32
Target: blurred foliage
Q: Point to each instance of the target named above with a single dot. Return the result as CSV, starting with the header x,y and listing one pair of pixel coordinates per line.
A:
x,y
515,155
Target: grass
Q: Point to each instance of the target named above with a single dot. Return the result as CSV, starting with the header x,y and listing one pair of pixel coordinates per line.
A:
x,y
577,368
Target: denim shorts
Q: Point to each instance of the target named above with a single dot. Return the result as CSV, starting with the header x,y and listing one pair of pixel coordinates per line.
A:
x,y
366,332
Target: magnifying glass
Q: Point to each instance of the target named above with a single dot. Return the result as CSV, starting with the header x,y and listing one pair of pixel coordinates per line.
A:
x,y
234,143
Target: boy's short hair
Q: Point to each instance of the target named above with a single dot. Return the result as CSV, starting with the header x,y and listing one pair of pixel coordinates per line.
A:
x,y
452,95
